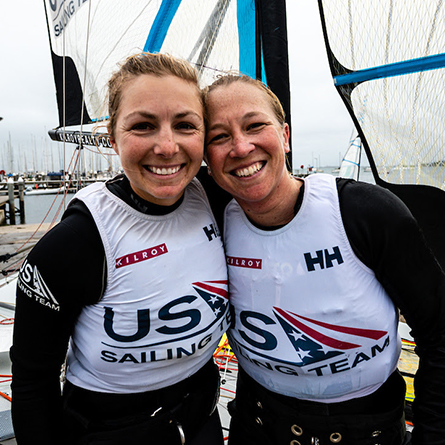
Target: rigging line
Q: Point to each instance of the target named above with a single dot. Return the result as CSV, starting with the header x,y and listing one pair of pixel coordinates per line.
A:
x,y
351,35
411,66
398,146
258,40
115,46
417,93
209,33
63,99
85,67
212,34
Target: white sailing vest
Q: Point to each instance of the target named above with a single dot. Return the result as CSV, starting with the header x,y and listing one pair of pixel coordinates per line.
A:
x,y
165,307
311,320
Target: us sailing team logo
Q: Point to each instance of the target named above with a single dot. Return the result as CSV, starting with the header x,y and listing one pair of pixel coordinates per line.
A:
x,y
313,341
213,293
32,284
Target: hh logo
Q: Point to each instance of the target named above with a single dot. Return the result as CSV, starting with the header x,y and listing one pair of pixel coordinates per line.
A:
x,y
142,255
323,258
211,231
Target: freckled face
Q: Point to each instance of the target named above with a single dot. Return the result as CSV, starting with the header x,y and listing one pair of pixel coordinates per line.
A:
x,y
159,136
245,143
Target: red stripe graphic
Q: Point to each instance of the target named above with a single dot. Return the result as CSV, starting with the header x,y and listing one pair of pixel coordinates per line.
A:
x,y
328,341
367,333
212,289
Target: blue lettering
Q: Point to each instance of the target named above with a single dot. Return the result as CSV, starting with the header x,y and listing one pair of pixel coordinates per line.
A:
x,y
334,256
108,356
193,314
143,326
270,342
376,348
322,260
311,262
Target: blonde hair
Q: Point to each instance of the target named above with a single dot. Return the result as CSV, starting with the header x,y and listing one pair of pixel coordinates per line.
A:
x,y
228,79
146,63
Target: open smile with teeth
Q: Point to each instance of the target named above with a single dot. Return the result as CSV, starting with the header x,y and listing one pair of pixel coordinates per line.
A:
x,y
248,171
164,171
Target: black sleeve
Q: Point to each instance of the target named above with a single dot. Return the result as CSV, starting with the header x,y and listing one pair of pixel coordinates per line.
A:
x,y
63,273
386,237
218,197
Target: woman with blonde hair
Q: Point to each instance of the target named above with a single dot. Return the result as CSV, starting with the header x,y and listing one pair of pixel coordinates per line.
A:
x,y
317,269
141,291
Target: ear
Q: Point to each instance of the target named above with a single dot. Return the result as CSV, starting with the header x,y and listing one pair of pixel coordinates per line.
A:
x,y
286,137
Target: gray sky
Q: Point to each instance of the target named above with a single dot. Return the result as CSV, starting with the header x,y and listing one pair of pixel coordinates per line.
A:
x,y
321,124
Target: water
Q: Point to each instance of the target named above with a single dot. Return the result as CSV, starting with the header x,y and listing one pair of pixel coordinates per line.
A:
x,y
37,206
43,208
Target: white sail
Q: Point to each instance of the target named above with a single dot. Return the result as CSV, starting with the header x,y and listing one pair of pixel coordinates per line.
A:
x,y
90,37
350,165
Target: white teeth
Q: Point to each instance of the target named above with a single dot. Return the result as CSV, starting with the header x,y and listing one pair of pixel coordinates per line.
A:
x,y
165,171
249,171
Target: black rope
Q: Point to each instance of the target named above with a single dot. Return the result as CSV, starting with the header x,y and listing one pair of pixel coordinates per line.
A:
x,y
6,257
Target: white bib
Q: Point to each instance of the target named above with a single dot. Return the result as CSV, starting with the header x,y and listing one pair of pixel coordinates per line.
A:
x,y
311,320
165,307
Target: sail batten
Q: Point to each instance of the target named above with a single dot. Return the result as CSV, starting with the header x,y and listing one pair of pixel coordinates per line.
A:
x,y
161,25
394,69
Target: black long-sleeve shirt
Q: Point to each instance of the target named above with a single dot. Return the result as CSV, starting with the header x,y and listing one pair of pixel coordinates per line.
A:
x,y
381,230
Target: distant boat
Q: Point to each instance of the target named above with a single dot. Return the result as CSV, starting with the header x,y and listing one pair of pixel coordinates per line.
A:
x,y
350,165
45,191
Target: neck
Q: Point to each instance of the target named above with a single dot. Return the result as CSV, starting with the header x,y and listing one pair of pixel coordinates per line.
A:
x,y
276,210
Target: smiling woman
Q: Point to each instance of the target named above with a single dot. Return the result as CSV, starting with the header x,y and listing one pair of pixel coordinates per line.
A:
x,y
142,320
246,145
316,273
159,136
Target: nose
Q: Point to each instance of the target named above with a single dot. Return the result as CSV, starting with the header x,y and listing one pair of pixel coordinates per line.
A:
x,y
166,144
241,146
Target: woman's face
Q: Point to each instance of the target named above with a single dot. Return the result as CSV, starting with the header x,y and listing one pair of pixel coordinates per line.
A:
x,y
159,136
245,144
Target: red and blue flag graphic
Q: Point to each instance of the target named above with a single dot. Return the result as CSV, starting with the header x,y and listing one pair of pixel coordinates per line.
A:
x,y
215,294
315,341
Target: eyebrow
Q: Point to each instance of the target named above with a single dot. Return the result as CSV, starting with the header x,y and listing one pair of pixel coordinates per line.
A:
x,y
180,115
245,116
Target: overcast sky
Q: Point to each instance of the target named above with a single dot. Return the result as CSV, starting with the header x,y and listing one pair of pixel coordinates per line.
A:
x,y
321,124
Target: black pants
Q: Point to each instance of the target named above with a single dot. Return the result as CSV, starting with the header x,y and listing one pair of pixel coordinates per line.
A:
x,y
260,417
185,411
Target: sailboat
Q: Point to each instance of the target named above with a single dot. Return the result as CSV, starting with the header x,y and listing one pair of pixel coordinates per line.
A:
x,y
350,164
89,37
